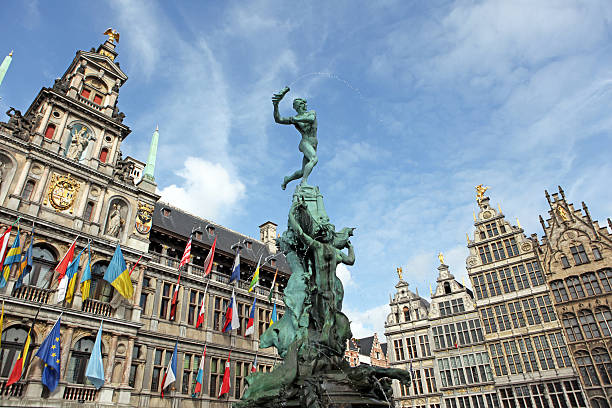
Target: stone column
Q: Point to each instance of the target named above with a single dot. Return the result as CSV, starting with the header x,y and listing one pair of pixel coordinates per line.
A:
x,y
99,205
148,370
106,392
136,310
125,391
45,120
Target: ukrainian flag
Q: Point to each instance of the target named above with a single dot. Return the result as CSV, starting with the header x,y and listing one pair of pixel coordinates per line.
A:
x,y
86,278
118,275
26,263
13,256
72,271
273,318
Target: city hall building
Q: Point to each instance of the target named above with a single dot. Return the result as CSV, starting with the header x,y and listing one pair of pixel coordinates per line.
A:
x,y
62,173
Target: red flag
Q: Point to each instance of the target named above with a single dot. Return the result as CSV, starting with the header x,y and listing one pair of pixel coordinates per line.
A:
x,y
225,385
63,264
175,298
135,265
201,312
186,254
208,263
4,244
20,363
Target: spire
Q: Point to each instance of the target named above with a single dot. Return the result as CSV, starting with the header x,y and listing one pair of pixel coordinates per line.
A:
x,y
5,65
149,172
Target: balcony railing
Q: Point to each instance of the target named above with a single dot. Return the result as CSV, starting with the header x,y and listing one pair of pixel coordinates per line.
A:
x,y
14,390
34,294
81,393
90,103
97,307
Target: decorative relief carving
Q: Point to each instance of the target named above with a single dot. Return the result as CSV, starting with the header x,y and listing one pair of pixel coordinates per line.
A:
x,y
144,218
62,192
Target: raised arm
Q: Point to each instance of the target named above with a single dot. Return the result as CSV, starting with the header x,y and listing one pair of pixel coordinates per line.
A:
x,y
276,98
348,259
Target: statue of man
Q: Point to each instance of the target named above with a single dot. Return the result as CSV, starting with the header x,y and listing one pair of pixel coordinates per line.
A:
x,y
306,123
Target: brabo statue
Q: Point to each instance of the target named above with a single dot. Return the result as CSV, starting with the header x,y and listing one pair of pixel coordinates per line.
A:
x,y
306,123
313,333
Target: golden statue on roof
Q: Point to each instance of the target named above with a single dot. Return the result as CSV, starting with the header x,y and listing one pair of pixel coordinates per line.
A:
x,y
441,258
113,35
399,273
480,190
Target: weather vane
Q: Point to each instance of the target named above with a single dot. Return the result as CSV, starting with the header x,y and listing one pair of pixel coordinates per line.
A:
x,y
113,35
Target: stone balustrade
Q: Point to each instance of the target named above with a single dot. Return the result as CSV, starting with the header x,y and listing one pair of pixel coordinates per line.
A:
x,y
80,393
97,307
33,294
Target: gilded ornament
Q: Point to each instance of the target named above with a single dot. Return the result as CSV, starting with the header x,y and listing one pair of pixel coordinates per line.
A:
x,y
562,213
144,218
62,192
480,190
113,35
399,273
441,258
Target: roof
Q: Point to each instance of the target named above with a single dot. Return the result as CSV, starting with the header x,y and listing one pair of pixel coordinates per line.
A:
x,y
383,346
365,345
181,223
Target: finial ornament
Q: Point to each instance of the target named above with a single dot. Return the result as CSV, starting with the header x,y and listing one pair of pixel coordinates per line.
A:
x,y
518,223
113,35
441,258
562,213
399,273
11,53
480,190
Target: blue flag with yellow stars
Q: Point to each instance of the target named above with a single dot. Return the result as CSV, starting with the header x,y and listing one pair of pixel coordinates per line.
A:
x,y
49,353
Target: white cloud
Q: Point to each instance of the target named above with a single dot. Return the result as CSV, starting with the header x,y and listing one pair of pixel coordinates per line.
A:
x,y
366,323
344,274
207,190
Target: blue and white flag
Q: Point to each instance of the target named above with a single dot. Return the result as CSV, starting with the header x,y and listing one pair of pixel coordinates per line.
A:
x,y
95,368
170,374
236,269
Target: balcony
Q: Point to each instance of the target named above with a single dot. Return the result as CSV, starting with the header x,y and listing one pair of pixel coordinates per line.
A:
x,y
33,294
15,390
80,393
97,307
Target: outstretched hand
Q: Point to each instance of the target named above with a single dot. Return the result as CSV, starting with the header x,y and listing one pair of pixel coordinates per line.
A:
x,y
276,98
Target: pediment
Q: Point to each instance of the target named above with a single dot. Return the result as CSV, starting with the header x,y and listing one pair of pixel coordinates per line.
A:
x,y
106,63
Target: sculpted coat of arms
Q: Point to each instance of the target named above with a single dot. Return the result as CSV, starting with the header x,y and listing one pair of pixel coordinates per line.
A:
x,y
62,192
144,218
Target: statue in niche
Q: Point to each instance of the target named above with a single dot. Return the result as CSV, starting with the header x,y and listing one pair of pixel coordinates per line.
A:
x,y
306,123
80,140
115,221
3,170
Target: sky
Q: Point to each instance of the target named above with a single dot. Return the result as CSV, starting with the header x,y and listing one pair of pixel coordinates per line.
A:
x,y
417,103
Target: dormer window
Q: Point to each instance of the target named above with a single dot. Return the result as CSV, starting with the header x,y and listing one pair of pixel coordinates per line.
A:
x,y
198,235
165,212
447,288
211,230
272,262
248,244
85,93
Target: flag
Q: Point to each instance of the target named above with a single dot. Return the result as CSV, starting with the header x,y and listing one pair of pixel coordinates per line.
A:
x,y
49,353
175,298
63,264
12,256
272,287
254,366
225,385
135,265
199,376
117,275
255,276
186,255
20,363
26,262
231,315
170,374
273,318
95,367
456,343
236,269
4,243
250,329
202,307
208,262
86,278
67,291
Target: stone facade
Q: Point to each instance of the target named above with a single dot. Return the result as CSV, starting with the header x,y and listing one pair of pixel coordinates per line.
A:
x,y
61,169
576,254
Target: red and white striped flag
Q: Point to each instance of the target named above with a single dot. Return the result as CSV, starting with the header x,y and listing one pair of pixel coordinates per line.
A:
x,y
186,255
208,262
4,243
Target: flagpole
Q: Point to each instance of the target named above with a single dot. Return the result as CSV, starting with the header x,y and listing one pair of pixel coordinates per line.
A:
x,y
29,362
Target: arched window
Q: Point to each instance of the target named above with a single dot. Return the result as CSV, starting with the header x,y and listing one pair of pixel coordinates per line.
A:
x,y
103,155
599,403
100,289
558,289
572,328
587,321
13,339
447,288
575,288
78,361
406,314
50,131
604,317
605,276
44,260
591,284
88,211
27,189
603,364
586,368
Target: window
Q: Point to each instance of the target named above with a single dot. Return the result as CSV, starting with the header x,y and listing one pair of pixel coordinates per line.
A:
x,y
457,305
243,317
516,314
143,302
412,348
488,319
586,368
406,314
546,308
166,300
559,292
445,372
13,339
520,275
476,331
195,300
447,288
50,131
463,335
579,254
430,380
417,383
100,289
498,250
591,284
604,317
564,262
596,253
398,345
217,368
574,287
535,274
219,306
492,229
493,283
557,344
158,367
528,354
242,371
97,99
264,320
78,361
103,155
556,392
512,354
574,394
479,286
190,372
599,403
503,320
88,211
507,397
132,378
445,308
28,188
572,328
587,321
603,364
538,393
485,254
605,276
85,93
43,265
506,280
499,363
511,247
544,352
439,342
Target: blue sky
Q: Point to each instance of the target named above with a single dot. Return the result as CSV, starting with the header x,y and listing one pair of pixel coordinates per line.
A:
x,y
417,102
